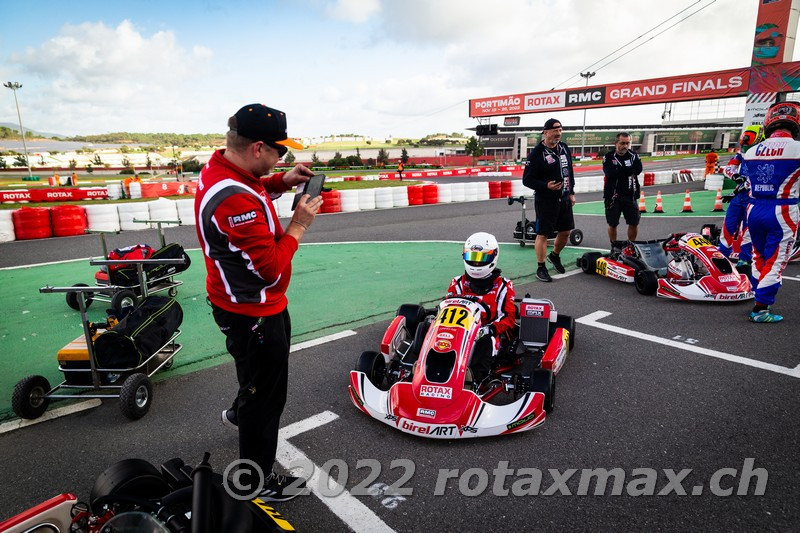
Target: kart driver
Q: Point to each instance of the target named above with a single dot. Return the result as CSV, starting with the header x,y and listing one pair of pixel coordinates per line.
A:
x,y
482,280
736,215
772,169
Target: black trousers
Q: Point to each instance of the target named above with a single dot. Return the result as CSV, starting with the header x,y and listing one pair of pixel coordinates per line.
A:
x,y
260,348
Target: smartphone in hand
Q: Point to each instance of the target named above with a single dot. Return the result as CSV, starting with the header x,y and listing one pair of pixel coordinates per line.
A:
x,y
313,187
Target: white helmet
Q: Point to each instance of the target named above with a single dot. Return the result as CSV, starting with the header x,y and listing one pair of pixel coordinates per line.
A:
x,y
480,255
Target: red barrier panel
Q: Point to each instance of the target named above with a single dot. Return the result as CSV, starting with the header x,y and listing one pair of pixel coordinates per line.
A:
x,y
166,188
32,223
505,189
494,189
415,195
430,194
331,202
53,195
649,178
68,220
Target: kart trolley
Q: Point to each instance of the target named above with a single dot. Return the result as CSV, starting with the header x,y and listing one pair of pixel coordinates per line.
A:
x,y
525,231
83,378
127,294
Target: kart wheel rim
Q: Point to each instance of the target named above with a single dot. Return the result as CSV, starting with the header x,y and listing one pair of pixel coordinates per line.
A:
x,y
36,397
141,396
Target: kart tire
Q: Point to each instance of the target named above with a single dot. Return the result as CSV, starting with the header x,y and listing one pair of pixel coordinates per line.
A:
x,y
414,315
136,396
419,339
72,298
576,237
134,478
123,298
588,262
544,381
28,399
646,282
374,366
568,323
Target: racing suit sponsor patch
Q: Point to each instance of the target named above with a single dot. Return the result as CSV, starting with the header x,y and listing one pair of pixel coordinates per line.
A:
x,y
242,218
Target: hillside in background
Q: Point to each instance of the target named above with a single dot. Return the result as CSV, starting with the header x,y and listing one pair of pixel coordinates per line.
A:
x,y
9,130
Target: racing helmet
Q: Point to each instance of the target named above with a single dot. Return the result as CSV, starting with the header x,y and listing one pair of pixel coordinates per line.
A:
x,y
783,115
480,255
751,136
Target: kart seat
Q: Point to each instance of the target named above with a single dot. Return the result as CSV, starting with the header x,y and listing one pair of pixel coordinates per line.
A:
x,y
652,254
534,321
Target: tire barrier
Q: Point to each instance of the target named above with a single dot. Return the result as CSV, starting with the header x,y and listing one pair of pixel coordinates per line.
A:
x,y
714,182
162,209
430,194
445,193
383,198
135,189
103,217
649,178
283,205
366,199
400,196
6,225
129,212
114,190
458,192
483,190
505,188
186,211
32,223
495,189
415,195
331,202
68,220
350,200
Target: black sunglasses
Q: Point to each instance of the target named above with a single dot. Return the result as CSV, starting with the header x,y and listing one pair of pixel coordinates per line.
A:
x,y
282,150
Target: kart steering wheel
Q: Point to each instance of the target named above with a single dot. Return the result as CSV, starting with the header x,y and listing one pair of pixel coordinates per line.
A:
x,y
477,300
671,243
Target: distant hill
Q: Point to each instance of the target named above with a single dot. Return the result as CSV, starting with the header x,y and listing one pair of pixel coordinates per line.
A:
x,y
32,133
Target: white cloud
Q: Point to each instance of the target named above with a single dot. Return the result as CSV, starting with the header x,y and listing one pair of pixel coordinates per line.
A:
x,y
357,11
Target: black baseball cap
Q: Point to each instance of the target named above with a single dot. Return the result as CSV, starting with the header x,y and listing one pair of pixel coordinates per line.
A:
x,y
261,123
551,123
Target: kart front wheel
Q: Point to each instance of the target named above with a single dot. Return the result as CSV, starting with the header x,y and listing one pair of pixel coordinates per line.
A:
x,y
414,315
29,399
646,282
545,382
134,478
588,262
374,366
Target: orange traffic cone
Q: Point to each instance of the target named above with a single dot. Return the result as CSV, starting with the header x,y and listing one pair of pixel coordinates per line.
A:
x,y
718,202
642,206
687,203
659,206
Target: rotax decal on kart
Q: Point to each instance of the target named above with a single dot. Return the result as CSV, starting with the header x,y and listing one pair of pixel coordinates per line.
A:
x,y
455,316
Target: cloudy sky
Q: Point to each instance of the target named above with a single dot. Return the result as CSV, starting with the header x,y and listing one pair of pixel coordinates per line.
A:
x,y
375,67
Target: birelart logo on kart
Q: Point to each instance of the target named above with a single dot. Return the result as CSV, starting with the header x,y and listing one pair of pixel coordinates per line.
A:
x,y
436,391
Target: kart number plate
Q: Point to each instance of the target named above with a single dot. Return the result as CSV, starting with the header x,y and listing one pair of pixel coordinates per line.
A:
x,y
699,242
602,267
455,317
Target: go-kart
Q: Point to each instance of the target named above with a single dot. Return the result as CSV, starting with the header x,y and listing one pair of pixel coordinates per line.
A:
x,y
133,495
684,266
712,232
421,381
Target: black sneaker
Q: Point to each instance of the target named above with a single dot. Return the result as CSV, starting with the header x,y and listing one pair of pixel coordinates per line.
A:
x,y
280,488
543,275
555,260
229,418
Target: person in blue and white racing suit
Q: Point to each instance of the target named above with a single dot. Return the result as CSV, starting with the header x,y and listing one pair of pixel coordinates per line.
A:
x,y
736,215
772,169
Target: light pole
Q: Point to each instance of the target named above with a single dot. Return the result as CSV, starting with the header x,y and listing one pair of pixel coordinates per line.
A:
x,y
586,75
14,86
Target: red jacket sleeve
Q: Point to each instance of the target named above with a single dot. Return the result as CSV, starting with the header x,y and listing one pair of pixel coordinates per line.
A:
x,y
242,219
506,320
274,184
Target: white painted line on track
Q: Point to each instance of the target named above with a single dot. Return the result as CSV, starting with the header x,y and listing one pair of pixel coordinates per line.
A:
x,y
791,278
322,340
49,415
347,507
592,320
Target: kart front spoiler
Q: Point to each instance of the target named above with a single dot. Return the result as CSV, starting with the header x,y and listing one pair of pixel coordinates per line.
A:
x,y
481,419
699,293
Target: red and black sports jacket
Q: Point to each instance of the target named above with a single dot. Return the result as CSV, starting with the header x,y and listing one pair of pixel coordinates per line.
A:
x,y
248,257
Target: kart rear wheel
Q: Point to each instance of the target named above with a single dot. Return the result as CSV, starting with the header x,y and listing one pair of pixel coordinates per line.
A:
x,y
568,323
545,382
28,400
414,315
136,396
72,298
588,262
134,478
646,282
124,298
576,237
374,366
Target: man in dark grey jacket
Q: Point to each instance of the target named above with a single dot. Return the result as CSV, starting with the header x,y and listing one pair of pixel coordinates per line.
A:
x,y
622,167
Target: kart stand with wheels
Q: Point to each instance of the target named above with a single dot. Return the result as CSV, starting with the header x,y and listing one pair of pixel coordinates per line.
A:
x,y
127,295
132,386
525,231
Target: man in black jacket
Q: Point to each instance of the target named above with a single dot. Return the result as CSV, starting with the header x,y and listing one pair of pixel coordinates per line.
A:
x,y
621,167
548,171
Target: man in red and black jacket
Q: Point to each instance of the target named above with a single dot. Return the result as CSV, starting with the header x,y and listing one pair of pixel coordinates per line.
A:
x,y
248,258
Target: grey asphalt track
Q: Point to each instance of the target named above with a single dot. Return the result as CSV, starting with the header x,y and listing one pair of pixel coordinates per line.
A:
x,y
623,402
